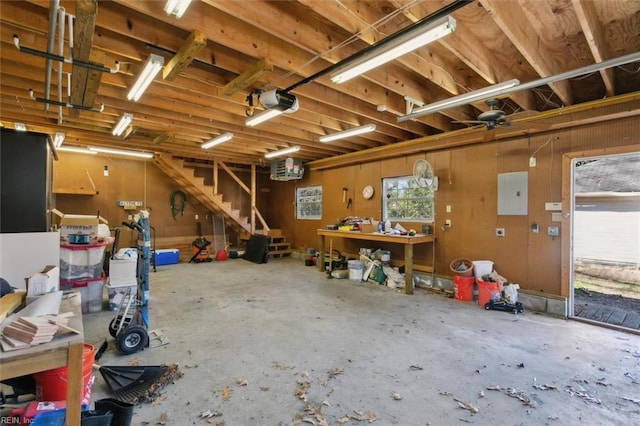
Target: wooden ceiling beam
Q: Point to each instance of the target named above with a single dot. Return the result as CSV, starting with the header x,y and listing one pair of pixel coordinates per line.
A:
x,y
84,82
253,74
189,50
593,33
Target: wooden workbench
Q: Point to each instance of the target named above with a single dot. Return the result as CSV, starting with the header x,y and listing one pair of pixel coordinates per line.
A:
x,y
65,350
407,241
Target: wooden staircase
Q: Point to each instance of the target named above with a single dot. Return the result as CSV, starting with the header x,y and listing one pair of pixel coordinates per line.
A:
x,y
204,194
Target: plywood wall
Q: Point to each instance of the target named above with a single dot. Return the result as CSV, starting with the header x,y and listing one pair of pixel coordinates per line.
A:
x,y
139,180
468,184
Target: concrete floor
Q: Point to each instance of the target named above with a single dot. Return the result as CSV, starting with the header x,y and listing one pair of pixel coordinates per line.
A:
x,y
253,341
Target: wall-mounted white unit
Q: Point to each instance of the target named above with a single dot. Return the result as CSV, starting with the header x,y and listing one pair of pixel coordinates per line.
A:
x,y
286,169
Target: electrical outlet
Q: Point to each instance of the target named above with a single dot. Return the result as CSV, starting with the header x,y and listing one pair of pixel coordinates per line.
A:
x,y
197,217
553,231
447,223
532,161
499,232
448,208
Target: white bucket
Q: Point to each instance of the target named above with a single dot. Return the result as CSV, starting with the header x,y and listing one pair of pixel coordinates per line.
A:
x,y
356,268
385,255
482,268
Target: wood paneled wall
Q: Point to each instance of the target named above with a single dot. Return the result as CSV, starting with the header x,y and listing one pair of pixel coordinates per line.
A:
x,y
468,183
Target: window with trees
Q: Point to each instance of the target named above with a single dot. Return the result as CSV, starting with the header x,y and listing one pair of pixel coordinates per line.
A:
x,y
404,200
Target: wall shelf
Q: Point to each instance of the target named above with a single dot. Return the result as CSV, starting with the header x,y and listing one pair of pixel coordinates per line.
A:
x,y
75,191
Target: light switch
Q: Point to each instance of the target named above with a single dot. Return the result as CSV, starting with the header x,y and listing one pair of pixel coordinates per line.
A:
x,y
448,208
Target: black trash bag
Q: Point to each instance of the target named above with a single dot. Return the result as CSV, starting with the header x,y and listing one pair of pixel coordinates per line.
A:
x,y
96,418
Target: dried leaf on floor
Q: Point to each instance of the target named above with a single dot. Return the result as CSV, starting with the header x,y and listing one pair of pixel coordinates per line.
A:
x,y
334,372
226,393
317,418
208,414
343,420
445,393
635,401
327,403
164,418
514,393
396,396
415,367
602,382
481,394
134,361
304,373
582,394
242,382
279,366
301,390
367,416
264,388
466,405
545,387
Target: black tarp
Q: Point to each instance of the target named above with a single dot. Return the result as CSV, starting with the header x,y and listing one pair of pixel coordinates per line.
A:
x,y
257,250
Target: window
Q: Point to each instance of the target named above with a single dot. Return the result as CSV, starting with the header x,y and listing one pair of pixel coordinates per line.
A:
x,y
404,200
309,202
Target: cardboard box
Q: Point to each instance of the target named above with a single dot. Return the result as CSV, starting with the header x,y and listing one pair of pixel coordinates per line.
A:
x,y
78,224
47,281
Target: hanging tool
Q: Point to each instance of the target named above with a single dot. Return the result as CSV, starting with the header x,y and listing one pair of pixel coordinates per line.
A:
x,y
178,201
344,194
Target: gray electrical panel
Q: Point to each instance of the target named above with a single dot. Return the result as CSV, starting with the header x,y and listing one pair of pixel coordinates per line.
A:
x,y
512,193
286,169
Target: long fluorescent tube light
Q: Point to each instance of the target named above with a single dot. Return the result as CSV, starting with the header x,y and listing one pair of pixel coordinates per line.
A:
x,y
263,116
58,139
216,141
151,68
121,152
176,7
465,98
395,48
124,122
348,133
20,127
283,151
76,149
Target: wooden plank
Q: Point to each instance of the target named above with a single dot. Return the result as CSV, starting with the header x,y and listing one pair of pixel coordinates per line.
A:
x,y
75,191
248,77
10,302
83,92
185,55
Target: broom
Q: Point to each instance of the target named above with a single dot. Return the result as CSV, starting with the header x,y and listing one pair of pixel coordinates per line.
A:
x,y
136,384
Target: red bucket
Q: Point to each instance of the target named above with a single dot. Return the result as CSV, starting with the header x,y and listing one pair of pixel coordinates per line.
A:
x,y
463,288
488,291
51,385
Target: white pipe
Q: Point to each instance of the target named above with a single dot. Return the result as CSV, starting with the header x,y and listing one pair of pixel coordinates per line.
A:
x,y
61,21
53,17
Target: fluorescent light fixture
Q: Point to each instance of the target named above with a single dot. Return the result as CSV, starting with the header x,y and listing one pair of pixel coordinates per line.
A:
x,y
217,140
465,98
283,151
263,116
124,122
20,127
76,149
396,47
348,133
121,152
176,7
151,68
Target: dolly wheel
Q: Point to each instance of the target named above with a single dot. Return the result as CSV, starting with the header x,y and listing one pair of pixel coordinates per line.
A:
x,y
132,339
115,323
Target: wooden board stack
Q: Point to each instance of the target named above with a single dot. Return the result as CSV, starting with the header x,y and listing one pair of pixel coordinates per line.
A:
x,y
30,331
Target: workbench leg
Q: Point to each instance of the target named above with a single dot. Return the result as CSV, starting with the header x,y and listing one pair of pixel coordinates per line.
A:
x,y
321,257
75,386
408,269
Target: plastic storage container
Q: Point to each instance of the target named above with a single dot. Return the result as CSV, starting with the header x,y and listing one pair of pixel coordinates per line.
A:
x,y
90,292
482,268
81,261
